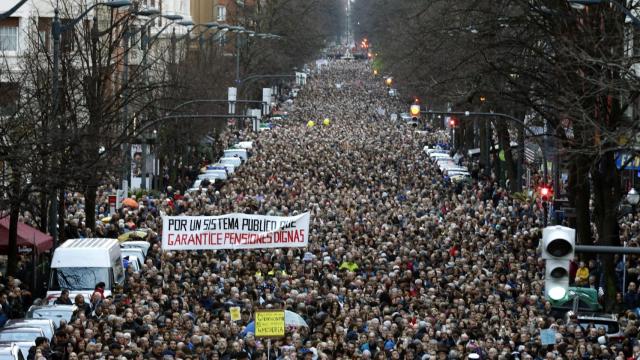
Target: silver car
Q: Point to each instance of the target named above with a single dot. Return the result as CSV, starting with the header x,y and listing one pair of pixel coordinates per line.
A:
x,y
47,326
51,312
11,351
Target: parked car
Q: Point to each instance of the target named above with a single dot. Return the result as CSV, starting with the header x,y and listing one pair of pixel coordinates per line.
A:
x,y
216,166
230,168
239,153
439,155
607,321
132,251
427,150
11,351
200,185
133,262
24,337
214,175
47,326
51,312
231,160
137,244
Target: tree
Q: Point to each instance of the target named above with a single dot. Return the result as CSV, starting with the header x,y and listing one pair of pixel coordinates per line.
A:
x,y
568,68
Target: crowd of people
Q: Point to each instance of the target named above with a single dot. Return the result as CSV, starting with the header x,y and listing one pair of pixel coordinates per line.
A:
x,y
401,264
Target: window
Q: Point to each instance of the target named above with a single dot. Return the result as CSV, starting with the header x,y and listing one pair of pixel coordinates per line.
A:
x,y
78,278
8,38
9,95
44,29
221,13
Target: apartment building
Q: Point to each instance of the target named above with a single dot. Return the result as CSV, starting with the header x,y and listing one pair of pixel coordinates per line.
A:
x,y
220,11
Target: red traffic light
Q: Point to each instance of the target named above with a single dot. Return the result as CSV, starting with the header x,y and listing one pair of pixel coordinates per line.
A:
x,y
546,193
453,122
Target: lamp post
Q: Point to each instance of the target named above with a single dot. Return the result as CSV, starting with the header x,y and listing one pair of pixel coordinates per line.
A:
x,y
239,30
57,29
174,19
152,13
126,160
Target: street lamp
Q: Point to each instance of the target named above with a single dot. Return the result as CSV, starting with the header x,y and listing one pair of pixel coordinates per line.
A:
x,y
8,13
148,11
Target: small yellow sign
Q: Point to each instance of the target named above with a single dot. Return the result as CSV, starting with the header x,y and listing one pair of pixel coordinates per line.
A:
x,y
269,323
235,313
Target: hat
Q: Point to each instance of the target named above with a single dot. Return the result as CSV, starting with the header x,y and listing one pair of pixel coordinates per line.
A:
x,y
474,356
389,344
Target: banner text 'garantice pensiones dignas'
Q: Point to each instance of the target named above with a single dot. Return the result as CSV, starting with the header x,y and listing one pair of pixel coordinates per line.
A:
x,y
234,231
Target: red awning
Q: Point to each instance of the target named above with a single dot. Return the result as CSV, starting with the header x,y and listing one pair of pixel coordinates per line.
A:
x,y
27,236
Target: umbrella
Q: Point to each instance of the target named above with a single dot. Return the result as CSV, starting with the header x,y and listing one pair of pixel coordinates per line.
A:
x,y
291,321
133,235
129,202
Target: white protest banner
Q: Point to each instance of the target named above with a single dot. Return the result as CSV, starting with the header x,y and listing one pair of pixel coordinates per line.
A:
x,y
234,231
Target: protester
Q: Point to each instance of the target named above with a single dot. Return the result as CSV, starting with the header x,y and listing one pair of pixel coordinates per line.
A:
x,y
402,263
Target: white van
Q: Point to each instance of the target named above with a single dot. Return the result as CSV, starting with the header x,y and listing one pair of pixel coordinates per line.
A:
x,y
239,153
79,264
231,160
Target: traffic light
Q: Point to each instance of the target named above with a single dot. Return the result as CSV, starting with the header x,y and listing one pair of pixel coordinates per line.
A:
x,y
414,111
558,249
546,192
453,122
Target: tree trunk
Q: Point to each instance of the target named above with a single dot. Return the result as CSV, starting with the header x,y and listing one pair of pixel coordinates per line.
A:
x,y
606,188
14,214
469,135
61,215
90,204
484,149
44,213
505,145
579,191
